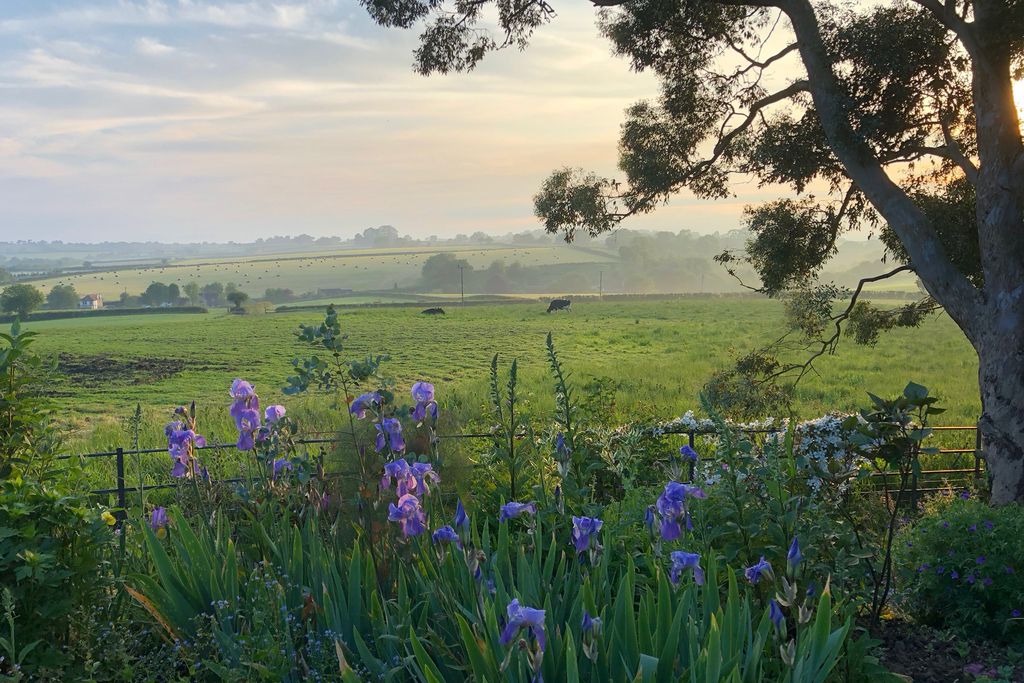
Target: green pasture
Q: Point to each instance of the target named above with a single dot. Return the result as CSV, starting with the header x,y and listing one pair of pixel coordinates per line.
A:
x,y
379,269
655,355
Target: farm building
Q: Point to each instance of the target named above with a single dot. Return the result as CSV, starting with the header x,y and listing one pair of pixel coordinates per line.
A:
x,y
91,301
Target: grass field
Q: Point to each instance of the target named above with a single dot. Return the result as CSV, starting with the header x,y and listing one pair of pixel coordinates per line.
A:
x,y
657,354
376,269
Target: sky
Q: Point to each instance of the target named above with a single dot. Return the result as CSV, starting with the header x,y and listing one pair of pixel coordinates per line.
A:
x,y
205,120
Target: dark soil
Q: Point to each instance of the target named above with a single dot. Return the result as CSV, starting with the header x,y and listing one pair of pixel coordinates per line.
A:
x,y
102,370
927,655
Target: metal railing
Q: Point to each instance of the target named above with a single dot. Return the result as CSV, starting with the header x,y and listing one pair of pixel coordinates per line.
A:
x,y
926,483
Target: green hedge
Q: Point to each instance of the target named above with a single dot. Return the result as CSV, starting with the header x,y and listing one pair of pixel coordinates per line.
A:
x,y
103,312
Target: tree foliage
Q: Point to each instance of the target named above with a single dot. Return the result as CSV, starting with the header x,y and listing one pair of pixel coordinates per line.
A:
x,y
20,299
62,296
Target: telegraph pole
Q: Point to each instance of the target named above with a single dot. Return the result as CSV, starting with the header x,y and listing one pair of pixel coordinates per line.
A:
x,y
462,286
600,285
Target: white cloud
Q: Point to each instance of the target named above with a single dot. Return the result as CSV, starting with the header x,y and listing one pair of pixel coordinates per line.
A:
x,y
152,47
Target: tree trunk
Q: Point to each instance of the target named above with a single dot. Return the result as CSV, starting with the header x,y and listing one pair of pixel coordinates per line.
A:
x,y
1001,377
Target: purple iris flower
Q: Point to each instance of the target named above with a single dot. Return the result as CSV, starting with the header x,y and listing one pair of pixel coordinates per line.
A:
x,y
970,578
401,474
988,525
1008,569
775,614
649,518
519,618
954,575
423,394
364,403
794,557
682,561
513,510
423,472
409,515
972,528
273,414
240,389
965,494
986,581
688,453
461,518
180,444
589,623
672,507
762,569
446,534
561,448
584,532
158,522
980,559
1015,614
280,465
389,432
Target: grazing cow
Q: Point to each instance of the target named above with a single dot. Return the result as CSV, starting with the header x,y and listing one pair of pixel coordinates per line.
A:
x,y
433,311
559,305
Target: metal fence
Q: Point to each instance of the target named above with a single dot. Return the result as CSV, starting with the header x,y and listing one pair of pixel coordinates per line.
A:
x,y
929,481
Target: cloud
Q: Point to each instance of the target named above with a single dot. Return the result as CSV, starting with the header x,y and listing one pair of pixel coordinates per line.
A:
x,y
152,47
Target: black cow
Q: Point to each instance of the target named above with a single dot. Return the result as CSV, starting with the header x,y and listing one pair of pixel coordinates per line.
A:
x,y
433,311
559,305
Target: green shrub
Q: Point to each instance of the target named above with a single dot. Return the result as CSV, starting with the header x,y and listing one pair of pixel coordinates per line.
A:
x,y
53,564
961,566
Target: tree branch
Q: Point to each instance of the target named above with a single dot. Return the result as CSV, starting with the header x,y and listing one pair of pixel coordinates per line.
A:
x,y
913,227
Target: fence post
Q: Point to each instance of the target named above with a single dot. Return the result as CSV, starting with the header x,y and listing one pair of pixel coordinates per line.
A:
x,y
693,465
121,501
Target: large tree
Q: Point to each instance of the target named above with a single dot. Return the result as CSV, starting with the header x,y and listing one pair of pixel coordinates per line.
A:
x,y
897,114
62,297
20,299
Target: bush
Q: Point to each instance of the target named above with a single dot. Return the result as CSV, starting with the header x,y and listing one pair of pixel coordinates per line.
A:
x,y
961,567
52,565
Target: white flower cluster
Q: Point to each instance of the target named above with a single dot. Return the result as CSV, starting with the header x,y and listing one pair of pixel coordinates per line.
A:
x,y
822,448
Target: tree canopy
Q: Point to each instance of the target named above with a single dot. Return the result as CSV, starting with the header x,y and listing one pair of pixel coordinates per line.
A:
x,y
62,296
895,117
20,299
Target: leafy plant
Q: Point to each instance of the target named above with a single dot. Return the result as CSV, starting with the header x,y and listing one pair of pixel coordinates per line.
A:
x,y
961,567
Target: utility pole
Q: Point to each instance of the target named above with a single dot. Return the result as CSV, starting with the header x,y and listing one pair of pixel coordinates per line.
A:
x,y
462,286
600,285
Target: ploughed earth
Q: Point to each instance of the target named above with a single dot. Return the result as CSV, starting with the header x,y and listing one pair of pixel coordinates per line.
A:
x,y
102,370
926,655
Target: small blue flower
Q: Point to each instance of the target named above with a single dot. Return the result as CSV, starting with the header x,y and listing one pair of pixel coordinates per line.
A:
x,y
794,557
514,509
520,617
446,535
688,453
775,614
461,519
762,569
683,561
584,532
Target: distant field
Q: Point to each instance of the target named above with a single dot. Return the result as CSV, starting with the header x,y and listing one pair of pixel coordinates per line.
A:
x,y
655,354
378,269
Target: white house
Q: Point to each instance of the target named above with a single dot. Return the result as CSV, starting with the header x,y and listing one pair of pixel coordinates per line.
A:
x,y
91,301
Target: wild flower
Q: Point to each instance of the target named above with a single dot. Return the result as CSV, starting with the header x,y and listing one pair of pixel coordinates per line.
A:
x,y
389,433
684,561
367,401
108,518
794,557
400,473
273,414
461,520
181,444
688,453
756,572
672,507
422,473
423,394
280,465
245,409
158,522
445,535
584,533
775,615
512,510
409,515
520,618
